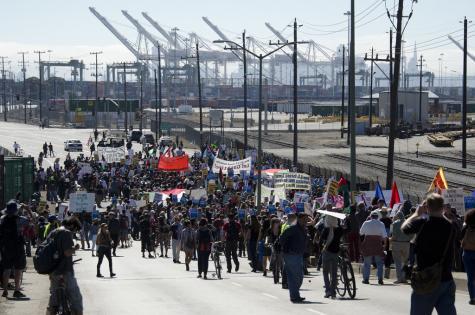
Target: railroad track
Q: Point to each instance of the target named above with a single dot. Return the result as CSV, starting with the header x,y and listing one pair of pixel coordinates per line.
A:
x,y
427,165
470,158
401,173
265,139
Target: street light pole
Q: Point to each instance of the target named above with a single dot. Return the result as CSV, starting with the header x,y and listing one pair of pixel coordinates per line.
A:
x,y
23,69
40,66
244,59
464,101
156,104
4,89
94,113
371,92
420,89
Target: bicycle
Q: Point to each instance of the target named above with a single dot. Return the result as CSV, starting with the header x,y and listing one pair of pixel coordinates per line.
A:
x,y
63,304
217,249
346,277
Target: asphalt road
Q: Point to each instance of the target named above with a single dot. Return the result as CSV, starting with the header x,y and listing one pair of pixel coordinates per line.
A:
x,y
150,286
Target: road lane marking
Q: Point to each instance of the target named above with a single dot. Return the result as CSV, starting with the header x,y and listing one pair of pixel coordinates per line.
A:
x,y
315,311
270,296
236,284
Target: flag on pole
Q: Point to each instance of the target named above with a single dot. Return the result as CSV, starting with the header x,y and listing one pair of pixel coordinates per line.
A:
x,y
343,187
378,193
394,195
439,181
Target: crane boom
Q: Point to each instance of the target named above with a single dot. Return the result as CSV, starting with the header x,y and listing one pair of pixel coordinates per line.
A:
x,y
461,47
161,30
116,33
140,28
281,38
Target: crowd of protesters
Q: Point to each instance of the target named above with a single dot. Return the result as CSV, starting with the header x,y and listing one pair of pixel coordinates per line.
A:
x,y
227,213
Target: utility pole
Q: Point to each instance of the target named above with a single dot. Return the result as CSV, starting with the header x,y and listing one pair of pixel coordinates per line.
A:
x,y
4,89
197,57
141,98
420,88
125,99
343,92
40,66
464,97
371,92
175,66
352,99
244,60
94,112
394,97
23,69
348,14
159,91
295,159
156,104
200,103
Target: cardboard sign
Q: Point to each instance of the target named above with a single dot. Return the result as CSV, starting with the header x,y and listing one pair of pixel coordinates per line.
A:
x,y
292,180
237,166
332,187
211,186
81,201
111,155
455,197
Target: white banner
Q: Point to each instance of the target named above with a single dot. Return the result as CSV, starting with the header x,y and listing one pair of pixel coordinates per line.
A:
x,y
291,180
272,194
237,166
81,201
111,155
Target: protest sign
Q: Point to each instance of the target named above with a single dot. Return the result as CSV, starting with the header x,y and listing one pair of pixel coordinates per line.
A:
x,y
272,194
242,214
301,197
111,155
236,166
300,206
292,180
197,194
454,197
332,187
63,211
81,201
338,215
469,203
211,186
193,213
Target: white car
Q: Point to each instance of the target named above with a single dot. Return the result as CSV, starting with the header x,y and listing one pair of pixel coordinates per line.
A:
x,y
73,146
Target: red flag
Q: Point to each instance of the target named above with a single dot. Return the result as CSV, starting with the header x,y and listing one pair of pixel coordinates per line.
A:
x,y
394,195
342,182
173,163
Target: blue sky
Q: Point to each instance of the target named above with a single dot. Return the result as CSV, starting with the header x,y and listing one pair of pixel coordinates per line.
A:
x,y
70,30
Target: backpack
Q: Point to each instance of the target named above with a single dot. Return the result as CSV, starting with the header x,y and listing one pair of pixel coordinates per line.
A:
x,y
47,257
468,241
233,233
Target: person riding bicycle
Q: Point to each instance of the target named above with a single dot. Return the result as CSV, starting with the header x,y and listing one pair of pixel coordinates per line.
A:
x,y
330,241
64,272
232,230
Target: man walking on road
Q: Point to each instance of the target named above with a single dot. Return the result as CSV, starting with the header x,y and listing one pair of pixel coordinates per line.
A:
x,y
114,230
375,235
294,243
434,245
232,230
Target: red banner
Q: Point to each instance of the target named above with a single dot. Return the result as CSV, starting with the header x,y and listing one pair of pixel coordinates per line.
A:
x,y
173,163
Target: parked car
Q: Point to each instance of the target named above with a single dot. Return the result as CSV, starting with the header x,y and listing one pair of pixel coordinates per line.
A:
x,y
73,146
165,141
111,142
134,135
147,138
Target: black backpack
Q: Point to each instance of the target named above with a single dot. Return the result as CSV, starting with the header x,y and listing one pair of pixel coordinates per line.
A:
x,y
47,257
233,233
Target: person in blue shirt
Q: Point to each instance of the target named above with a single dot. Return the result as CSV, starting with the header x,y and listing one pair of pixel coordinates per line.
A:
x,y
294,242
